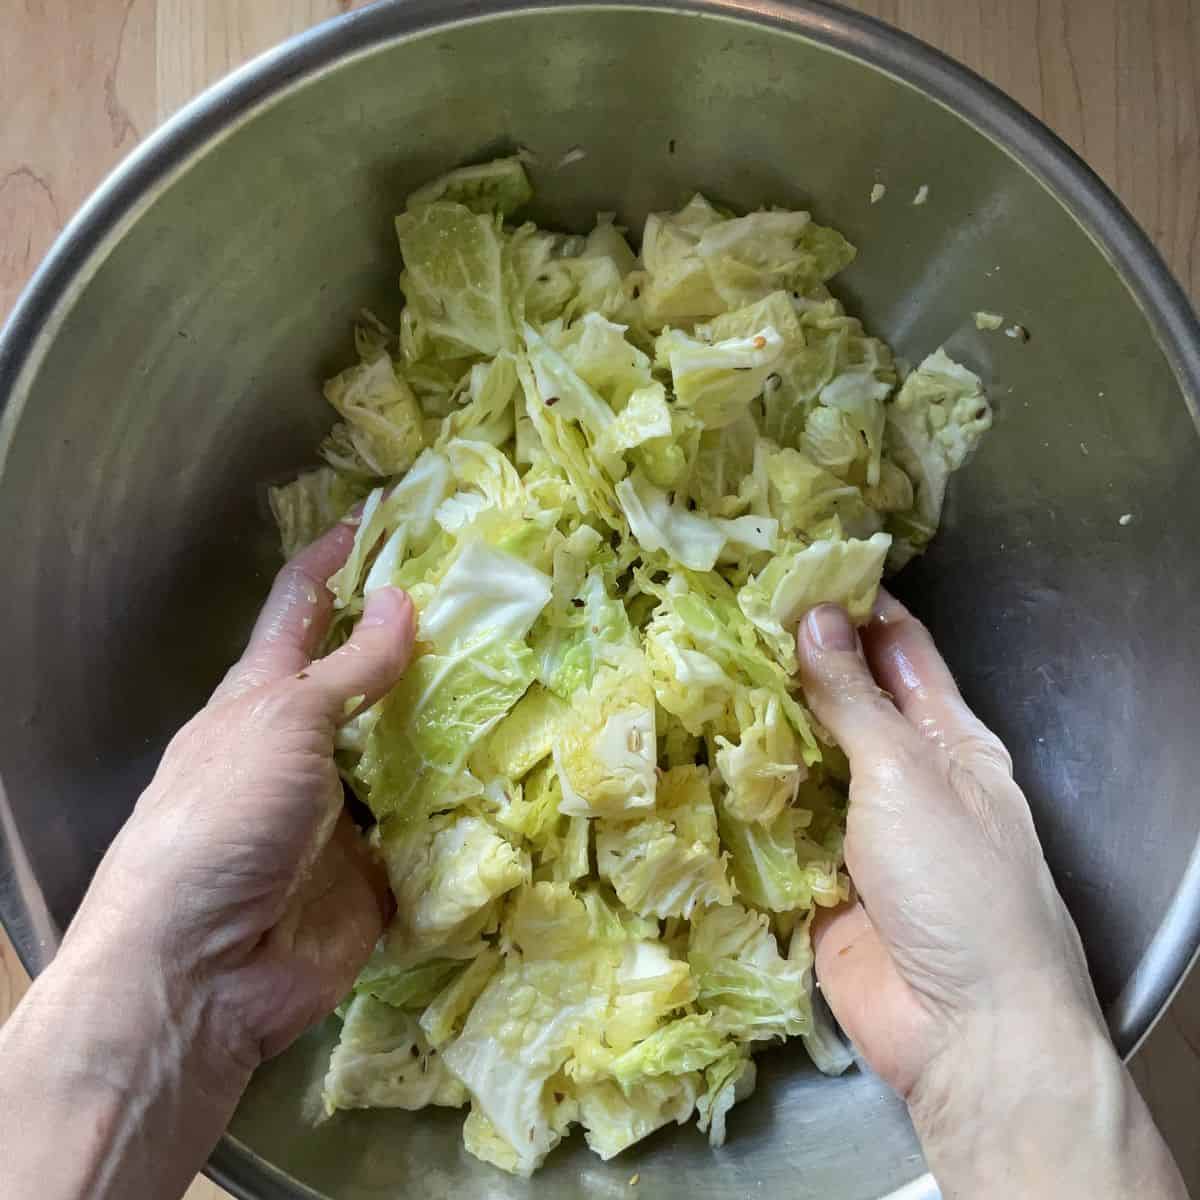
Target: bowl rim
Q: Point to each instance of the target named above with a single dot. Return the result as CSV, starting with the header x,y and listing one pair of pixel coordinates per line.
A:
x,y
132,185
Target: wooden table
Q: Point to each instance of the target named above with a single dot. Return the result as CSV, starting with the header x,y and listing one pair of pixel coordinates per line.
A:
x,y
85,80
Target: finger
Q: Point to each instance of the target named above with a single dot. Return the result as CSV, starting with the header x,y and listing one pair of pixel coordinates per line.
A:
x,y
332,922
296,614
367,667
859,981
903,658
348,856
850,961
835,934
840,688
370,865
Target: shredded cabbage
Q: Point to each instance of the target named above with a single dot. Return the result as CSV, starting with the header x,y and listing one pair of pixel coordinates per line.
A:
x,y
613,482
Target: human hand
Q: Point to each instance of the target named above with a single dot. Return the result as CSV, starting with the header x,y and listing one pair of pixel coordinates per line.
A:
x,y
233,910
957,971
239,875
941,847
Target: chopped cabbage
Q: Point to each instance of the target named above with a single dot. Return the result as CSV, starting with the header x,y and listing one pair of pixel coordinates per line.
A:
x,y
500,186
566,854
382,1060
829,1050
602,356
612,481
486,592
700,263
403,520
445,1013
405,984
585,626
763,771
667,865
936,422
430,722
703,651
750,989
845,571
490,411
805,405
445,874
717,381
310,504
687,1044
381,431
687,538
646,418
614,1119
729,1080
765,861
518,1035
527,809
526,736
803,496
454,280
647,985
606,756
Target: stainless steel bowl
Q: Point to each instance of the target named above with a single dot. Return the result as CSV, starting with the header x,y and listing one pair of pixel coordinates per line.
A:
x,y
163,367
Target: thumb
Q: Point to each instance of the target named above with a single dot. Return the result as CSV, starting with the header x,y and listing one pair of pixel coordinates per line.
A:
x,y
370,663
840,688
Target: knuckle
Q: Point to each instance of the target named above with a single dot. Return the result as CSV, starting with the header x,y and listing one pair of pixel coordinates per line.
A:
x,y
994,754
1000,811
283,704
246,676
981,749
192,741
896,762
293,579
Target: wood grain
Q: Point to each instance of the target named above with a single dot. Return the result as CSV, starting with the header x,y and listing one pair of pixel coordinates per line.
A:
x,y
85,80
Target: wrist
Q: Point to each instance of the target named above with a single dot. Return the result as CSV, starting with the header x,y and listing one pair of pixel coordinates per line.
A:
x,y
109,1053
1031,1099
142,1006
141,941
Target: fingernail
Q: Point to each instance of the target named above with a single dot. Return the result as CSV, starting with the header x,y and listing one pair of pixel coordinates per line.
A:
x,y
382,607
887,608
830,628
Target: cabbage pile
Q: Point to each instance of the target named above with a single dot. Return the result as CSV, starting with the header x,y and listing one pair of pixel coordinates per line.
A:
x,y
612,483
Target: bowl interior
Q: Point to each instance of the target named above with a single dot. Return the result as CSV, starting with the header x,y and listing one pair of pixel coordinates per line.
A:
x,y
181,373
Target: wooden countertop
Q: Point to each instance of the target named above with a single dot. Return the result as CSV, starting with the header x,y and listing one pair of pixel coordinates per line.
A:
x,y
85,80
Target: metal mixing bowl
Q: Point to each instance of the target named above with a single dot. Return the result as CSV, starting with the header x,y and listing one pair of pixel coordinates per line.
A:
x,y
163,366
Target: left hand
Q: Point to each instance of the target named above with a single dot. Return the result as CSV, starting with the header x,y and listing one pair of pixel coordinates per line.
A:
x,y
240,876
232,911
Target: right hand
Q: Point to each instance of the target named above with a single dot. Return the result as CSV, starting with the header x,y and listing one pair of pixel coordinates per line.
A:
x,y
957,971
956,912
